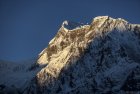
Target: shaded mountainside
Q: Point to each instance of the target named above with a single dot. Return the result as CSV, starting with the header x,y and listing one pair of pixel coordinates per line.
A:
x,y
100,58
14,77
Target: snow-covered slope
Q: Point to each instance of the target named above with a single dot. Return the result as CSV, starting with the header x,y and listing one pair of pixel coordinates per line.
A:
x,y
14,77
100,58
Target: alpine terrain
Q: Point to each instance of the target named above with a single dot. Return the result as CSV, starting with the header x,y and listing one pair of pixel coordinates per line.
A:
x,y
100,58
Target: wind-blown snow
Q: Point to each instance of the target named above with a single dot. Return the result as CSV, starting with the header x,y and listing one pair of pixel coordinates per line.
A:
x,y
69,25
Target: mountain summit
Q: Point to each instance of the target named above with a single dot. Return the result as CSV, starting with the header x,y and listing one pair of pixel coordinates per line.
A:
x,y
100,58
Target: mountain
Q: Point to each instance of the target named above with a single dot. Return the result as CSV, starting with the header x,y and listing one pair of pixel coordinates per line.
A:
x,y
14,77
99,58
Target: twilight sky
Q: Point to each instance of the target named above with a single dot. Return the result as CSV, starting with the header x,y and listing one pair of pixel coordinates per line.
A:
x,y
26,26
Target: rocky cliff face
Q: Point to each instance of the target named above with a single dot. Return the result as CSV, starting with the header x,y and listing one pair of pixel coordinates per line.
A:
x,y
100,58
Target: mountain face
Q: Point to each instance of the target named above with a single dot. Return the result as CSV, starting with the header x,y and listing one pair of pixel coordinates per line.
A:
x,y
100,58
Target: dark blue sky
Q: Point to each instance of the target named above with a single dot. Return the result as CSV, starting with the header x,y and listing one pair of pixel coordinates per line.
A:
x,y
26,26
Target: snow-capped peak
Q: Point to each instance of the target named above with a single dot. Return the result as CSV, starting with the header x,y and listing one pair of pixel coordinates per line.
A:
x,y
90,57
100,58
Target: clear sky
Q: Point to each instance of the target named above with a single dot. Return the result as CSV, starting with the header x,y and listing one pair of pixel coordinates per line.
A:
x,y
26,26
